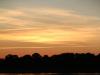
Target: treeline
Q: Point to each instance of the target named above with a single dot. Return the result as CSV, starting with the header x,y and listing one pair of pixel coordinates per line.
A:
x,y
66,62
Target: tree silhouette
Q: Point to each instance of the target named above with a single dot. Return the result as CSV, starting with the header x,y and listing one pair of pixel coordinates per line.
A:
x,y
66,62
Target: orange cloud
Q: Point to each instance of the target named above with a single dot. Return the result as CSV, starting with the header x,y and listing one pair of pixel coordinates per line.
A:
x,y
49,26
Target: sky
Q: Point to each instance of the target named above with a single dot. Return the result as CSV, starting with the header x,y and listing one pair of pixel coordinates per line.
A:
x,y
49,26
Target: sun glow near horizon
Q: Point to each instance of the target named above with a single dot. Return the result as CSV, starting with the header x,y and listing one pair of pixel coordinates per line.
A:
x,y
48,36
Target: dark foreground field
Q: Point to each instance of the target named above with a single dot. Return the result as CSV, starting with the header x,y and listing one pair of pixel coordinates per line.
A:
x,y
63,63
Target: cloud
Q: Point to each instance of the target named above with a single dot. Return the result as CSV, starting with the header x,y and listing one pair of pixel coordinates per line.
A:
x,y
8,44
50,36
26,17
47,25
19,44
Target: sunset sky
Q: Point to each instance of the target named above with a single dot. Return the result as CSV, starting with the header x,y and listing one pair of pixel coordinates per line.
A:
x,y
49,26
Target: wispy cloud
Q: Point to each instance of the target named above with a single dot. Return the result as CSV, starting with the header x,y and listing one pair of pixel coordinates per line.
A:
x,y
48,16
47,25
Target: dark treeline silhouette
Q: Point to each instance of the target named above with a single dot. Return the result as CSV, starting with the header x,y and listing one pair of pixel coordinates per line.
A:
x,y
66,62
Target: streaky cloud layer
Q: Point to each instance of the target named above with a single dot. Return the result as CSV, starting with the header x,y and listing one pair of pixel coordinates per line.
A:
x,y
49,25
